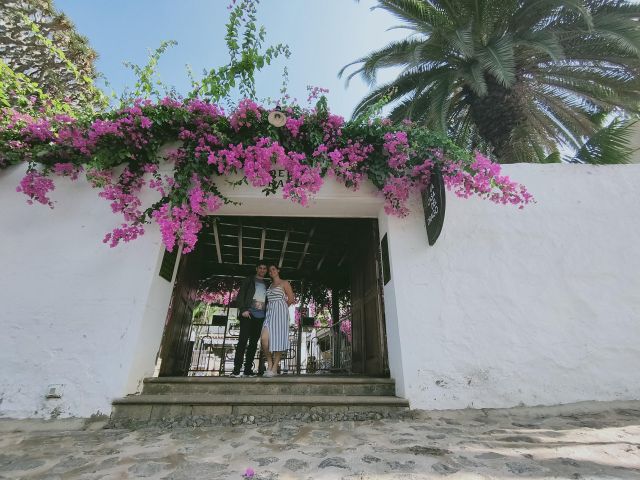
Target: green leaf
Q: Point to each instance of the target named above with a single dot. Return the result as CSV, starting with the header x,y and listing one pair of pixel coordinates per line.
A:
x,y
609,145
497,58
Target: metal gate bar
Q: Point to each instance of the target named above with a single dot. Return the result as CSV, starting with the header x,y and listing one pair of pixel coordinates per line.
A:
x,y
312,350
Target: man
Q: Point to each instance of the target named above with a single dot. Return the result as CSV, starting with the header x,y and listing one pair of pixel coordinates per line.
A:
x,y
251,304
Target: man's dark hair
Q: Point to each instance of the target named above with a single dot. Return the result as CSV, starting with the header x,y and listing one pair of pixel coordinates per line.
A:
x,y
261,262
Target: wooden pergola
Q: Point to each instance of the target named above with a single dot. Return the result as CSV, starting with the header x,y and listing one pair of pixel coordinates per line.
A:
x,y
311,248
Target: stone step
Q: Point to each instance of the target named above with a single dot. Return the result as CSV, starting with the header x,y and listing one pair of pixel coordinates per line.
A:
x,y
281,385
156,407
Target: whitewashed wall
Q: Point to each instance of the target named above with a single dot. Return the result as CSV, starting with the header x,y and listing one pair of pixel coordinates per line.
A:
x,y
539,306
74,312
79,314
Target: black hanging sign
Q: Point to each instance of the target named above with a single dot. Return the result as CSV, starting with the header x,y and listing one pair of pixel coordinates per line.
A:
x,y
168,264
434,202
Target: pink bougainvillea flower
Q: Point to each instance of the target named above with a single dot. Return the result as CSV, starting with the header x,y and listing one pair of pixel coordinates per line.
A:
x,y
36,186
67,170
243,115
249,473
315,92
221,298
293,125
313,144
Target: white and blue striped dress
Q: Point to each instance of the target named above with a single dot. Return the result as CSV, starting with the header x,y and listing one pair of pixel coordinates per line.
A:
x,y
277,319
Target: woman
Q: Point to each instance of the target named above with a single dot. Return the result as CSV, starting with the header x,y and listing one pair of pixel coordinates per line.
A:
x,y
275,330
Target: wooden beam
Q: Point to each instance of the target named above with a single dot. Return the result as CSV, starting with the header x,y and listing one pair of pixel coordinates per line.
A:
x,y
324,256
342,259
217,238
284,248
240,242
236,271
306,247
262,240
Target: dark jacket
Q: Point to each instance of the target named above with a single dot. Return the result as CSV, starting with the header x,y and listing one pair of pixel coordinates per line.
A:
x,y
245,295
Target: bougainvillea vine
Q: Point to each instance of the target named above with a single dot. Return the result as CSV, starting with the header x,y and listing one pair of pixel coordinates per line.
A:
x,y
122,153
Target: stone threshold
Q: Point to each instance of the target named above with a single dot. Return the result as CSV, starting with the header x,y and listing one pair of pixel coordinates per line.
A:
x,y
167,420
312,400
310,379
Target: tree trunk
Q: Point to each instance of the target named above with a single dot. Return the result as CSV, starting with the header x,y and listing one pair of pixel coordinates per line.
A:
x,y
497,115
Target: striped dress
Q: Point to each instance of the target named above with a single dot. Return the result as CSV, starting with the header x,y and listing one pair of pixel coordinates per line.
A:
x,y
277,319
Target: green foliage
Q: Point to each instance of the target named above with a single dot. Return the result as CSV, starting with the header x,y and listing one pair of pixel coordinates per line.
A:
x,y
610,142
20,92
321,296
40,44
148,83
309,146
517,77
244,40
245,43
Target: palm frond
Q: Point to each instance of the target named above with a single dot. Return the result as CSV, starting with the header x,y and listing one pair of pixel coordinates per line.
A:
x,y
394,54
622,32
540,14
553,157
475,79
418,13
405,84
609,145
540,43
497,58
521,76
462,40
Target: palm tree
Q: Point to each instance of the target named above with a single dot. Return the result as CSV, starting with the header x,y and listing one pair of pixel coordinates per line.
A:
x,y
521,77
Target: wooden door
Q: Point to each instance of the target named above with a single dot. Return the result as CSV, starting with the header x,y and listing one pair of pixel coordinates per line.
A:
x,y
367,317
175,349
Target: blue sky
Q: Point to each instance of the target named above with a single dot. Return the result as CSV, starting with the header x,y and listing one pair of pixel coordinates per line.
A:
x,y
323,35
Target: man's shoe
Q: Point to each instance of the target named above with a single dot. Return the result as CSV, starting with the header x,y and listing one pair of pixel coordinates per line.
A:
x,y
235,375
250,374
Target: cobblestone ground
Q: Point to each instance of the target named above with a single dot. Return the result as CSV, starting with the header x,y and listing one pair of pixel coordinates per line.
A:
x,y
584,441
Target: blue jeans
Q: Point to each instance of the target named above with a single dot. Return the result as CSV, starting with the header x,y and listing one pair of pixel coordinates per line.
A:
x,y
250,329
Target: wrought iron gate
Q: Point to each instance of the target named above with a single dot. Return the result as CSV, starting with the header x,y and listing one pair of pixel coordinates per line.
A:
x,y
312,350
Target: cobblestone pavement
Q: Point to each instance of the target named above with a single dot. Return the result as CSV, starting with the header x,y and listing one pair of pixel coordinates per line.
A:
x,y
582,441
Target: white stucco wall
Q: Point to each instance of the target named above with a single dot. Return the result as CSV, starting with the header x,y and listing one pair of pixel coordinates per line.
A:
x,y
90,318
74,312
539,306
